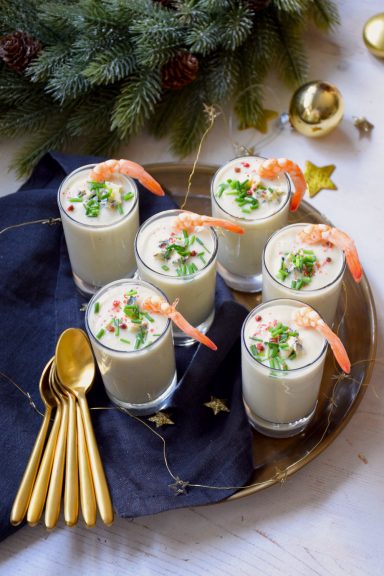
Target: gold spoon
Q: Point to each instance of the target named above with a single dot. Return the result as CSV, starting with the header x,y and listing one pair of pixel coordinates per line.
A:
x,y
52,506
40,487
76,370
87,491
71,491
23,495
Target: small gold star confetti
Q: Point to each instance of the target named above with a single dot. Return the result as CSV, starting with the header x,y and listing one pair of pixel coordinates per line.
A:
x,y
161,419
363,125
262,122
318,178
217,405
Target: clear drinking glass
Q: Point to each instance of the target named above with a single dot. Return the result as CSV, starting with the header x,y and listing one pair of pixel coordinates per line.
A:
x,y
100,248
239,256
280,403
195,291
323,292
141,380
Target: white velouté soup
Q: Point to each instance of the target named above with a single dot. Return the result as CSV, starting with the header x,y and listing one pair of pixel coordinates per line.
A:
x,y
181,263
100,221
312,273
133,347
259,205
282,364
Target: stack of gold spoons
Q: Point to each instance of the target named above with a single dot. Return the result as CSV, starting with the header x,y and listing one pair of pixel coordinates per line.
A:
x,y
71,445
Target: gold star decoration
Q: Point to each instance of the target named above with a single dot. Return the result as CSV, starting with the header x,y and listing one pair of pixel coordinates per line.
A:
x,y
161,419
217,405
261,123
363,125
318,178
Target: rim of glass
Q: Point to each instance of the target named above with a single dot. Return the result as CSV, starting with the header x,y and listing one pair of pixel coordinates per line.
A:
x,y
240,218
297,304
307,290
164,214
84,224
128,281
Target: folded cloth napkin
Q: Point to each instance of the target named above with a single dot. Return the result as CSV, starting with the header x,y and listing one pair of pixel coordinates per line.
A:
x,y
39,300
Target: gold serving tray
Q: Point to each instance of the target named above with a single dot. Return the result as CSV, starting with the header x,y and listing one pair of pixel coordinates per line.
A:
x,y
276,459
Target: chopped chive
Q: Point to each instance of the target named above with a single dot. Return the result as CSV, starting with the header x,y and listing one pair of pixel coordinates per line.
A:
x,y
125,341
75,199
148,316
166,268
202,244
100,333
128,196
117,326
97,307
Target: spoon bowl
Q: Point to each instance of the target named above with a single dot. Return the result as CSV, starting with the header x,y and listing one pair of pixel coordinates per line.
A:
x,y
74,361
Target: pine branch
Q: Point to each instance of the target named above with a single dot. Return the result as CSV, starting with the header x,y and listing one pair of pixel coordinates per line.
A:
x,y
92,114
236,25
136,103
324,13
15,89
68,82
187,131
290,53
222,76
293,7
29,118
111,66
52,137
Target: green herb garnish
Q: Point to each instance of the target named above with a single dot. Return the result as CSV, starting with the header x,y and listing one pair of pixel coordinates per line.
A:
x,y
300,266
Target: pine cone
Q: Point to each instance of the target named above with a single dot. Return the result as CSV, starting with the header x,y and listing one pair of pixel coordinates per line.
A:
x,y
179,71
17,49
257,5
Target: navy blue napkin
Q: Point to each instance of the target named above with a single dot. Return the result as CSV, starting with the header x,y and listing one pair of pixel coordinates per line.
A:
x,y
39,300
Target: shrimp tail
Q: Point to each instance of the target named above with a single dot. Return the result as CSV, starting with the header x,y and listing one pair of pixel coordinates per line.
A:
x,y
136,171
225,224
300,188
190,330
337,347
353,263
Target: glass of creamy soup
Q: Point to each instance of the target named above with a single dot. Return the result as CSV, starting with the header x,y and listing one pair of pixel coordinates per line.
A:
x,y
282,367
260,206
133,348
312,273
100,221
183,265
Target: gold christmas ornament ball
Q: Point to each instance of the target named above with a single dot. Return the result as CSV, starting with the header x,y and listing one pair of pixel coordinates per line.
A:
x,y
316,109
373,35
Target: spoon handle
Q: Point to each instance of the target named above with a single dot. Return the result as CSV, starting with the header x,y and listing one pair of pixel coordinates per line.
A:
x,y
36,503
23,495
103,497
52,506
71,493
87,491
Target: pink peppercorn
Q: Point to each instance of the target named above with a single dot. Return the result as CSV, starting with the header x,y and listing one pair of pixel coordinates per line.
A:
x,y
70,208
237,169
246,164
193,253
260,347
110,328
258,318
123,326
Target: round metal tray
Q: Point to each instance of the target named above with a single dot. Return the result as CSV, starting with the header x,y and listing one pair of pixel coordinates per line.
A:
x,y
275,459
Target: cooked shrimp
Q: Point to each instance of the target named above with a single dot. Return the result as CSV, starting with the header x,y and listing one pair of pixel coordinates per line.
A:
x,y
105,170
306,317
321,233
189,221
157,306
273,167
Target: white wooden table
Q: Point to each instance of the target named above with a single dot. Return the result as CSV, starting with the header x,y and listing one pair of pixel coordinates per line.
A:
x,y
328,519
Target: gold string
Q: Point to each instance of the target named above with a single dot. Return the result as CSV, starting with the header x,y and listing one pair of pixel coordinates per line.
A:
x,y
50,221
212,114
